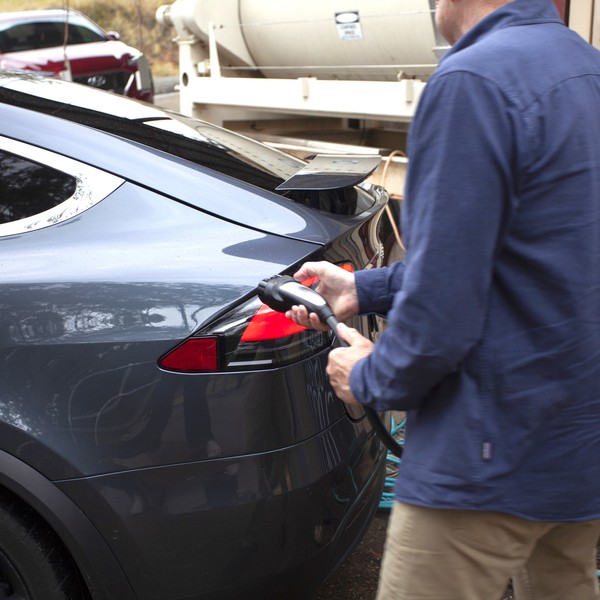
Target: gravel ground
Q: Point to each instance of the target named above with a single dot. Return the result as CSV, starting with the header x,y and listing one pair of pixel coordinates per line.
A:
x,y
357,578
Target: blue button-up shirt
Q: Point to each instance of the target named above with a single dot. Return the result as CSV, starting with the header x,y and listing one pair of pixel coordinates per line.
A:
x,y
493,339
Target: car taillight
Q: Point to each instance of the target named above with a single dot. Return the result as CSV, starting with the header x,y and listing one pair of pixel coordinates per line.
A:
x,y
193,356
253,336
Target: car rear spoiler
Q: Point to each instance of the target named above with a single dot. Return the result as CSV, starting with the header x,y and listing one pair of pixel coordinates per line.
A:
x,y
332,171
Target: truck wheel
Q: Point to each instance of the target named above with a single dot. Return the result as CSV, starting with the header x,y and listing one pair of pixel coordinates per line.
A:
x,y
33,562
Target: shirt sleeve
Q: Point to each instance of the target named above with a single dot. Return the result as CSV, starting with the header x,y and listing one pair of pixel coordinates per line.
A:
x,y
376,288
458,195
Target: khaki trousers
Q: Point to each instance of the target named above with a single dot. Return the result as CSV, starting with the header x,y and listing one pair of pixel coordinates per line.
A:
x,y
433,554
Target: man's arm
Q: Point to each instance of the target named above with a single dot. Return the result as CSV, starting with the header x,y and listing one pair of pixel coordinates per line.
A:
x,y
376,288
459,193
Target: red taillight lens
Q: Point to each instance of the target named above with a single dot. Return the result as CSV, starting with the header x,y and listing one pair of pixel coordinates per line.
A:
x,y
267,324
195,355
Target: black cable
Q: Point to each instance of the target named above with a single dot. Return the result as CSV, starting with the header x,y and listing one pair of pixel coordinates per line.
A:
x,y
386,437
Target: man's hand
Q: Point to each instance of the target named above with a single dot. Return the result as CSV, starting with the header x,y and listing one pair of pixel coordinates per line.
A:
x,y
341,361
336,285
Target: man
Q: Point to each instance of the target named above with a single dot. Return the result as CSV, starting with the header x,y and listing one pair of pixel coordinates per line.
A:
x,y
493,338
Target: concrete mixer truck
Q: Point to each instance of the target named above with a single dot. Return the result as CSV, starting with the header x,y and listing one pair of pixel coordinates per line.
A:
x,y
311,75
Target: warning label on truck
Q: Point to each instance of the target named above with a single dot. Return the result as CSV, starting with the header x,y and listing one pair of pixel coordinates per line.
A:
x,y
348,25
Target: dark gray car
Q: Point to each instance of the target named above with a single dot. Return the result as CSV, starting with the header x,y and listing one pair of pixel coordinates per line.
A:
x,y
162,434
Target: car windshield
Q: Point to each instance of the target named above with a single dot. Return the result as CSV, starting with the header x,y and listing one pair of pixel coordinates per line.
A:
x,y
191,139
47,33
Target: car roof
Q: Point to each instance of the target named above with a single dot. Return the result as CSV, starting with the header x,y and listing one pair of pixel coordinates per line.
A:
x,y
51,14
102,130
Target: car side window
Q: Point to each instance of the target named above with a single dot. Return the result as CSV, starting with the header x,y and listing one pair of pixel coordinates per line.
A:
x,y
45,34
17,38
48,35
39,188
28,188
79,34
31,36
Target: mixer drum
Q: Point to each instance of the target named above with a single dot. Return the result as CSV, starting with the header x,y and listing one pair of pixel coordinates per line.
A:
x,y
355,38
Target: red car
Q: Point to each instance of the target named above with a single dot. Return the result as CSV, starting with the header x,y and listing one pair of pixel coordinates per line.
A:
x,y
66,44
